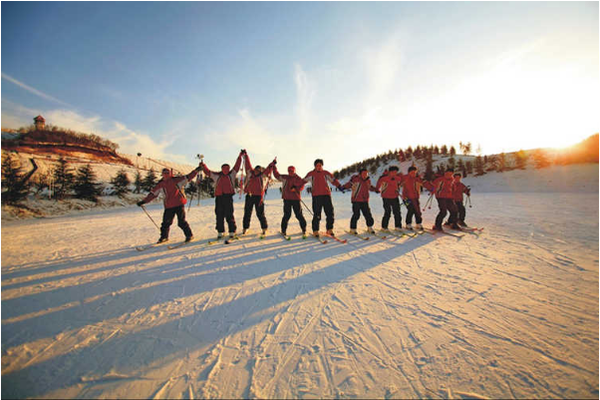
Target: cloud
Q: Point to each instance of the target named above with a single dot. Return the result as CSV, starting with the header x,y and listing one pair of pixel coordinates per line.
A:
x,y
305,92
129,141
34,91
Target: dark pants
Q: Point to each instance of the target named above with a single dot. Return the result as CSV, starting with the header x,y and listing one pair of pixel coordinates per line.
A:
x,y
446,205
322,203
363,207
168,217
461,212
391,206
259,205
224,211
414,208
288,206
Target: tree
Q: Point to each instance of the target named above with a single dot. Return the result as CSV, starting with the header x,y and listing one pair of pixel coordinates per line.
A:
x,y
465,148
501,162
461,166
149,181
540,158
408,153
452,151
121,183
85,185
401,156
429,175
14,187
444,150
521,159
63,179
451,162
479,166
469,167
137,182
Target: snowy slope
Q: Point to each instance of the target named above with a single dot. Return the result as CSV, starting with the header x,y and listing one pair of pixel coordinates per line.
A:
x,y
510,314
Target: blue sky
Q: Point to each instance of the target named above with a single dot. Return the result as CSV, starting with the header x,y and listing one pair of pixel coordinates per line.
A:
x,y
340,81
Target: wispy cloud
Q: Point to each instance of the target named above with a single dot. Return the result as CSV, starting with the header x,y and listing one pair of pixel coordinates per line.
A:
x,y
33,90
305,92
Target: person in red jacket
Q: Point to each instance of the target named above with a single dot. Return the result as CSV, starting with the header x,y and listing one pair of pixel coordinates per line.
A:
x,y
224,183
389,186
256,180
443,188
411,192
321,196
174,201
457,196
291,190
361,185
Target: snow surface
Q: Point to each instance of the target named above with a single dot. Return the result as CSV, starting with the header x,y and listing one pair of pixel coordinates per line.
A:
x,y
510,314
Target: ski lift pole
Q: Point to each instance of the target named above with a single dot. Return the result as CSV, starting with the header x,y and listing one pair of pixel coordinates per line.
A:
x,y
144,208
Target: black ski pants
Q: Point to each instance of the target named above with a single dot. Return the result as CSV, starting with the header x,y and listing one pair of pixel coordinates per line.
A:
x,y
461,212
413,208
258,204
319,204
169,216
391,206
224,212
363,207
288,206
446,205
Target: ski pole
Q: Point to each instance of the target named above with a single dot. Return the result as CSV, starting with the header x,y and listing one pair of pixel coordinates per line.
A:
x,y
144,208
469,200
428,202
308,209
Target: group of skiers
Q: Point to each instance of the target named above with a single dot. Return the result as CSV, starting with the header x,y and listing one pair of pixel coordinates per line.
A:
x,y
392,185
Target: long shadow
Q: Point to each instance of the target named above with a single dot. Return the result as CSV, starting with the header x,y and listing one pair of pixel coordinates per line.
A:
x,y
113,306
143,348
108,257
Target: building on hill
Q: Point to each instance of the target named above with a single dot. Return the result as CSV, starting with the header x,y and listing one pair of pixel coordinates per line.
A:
x,y
40,123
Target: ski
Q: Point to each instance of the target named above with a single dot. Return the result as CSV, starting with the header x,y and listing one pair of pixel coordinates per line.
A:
x,y
433,232
319,238
357,235
216,240
337,239
395,233
375,234
286,237
148,246
231,239
180,244
412,233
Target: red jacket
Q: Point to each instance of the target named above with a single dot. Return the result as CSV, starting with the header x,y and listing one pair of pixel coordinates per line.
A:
x,y
292,185
443,187
411,187
255,184
360,188
172,188
320,182
224,184
459,189
390,186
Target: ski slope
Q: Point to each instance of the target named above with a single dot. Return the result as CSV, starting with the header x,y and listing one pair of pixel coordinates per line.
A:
x,y
512,313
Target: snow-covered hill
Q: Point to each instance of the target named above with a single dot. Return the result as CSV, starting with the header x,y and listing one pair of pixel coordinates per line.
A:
x,y
512,313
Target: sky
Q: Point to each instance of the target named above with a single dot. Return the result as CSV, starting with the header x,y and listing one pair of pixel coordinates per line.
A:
x,y
341,81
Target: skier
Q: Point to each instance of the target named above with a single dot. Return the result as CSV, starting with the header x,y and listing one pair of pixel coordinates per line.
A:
x,y
361,185
291,194
389,185
411,192
224,191
321,196
457,196
174,202
256,179
443,189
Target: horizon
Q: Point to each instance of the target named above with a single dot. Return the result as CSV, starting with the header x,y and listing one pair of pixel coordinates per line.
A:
x,y
302,81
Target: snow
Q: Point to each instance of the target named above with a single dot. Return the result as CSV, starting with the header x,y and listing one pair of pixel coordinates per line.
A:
x,y
511,313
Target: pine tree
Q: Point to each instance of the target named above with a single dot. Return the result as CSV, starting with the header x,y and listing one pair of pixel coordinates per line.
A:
x,y
460,165
14,189
429,175
469,167
521,159
149,181
401,156
85,185
137,182
121,183
452,151
444,150
501,162
63,179
479,166
540,158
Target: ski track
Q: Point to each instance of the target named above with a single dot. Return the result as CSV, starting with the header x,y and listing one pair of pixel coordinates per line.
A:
x,y
512,312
